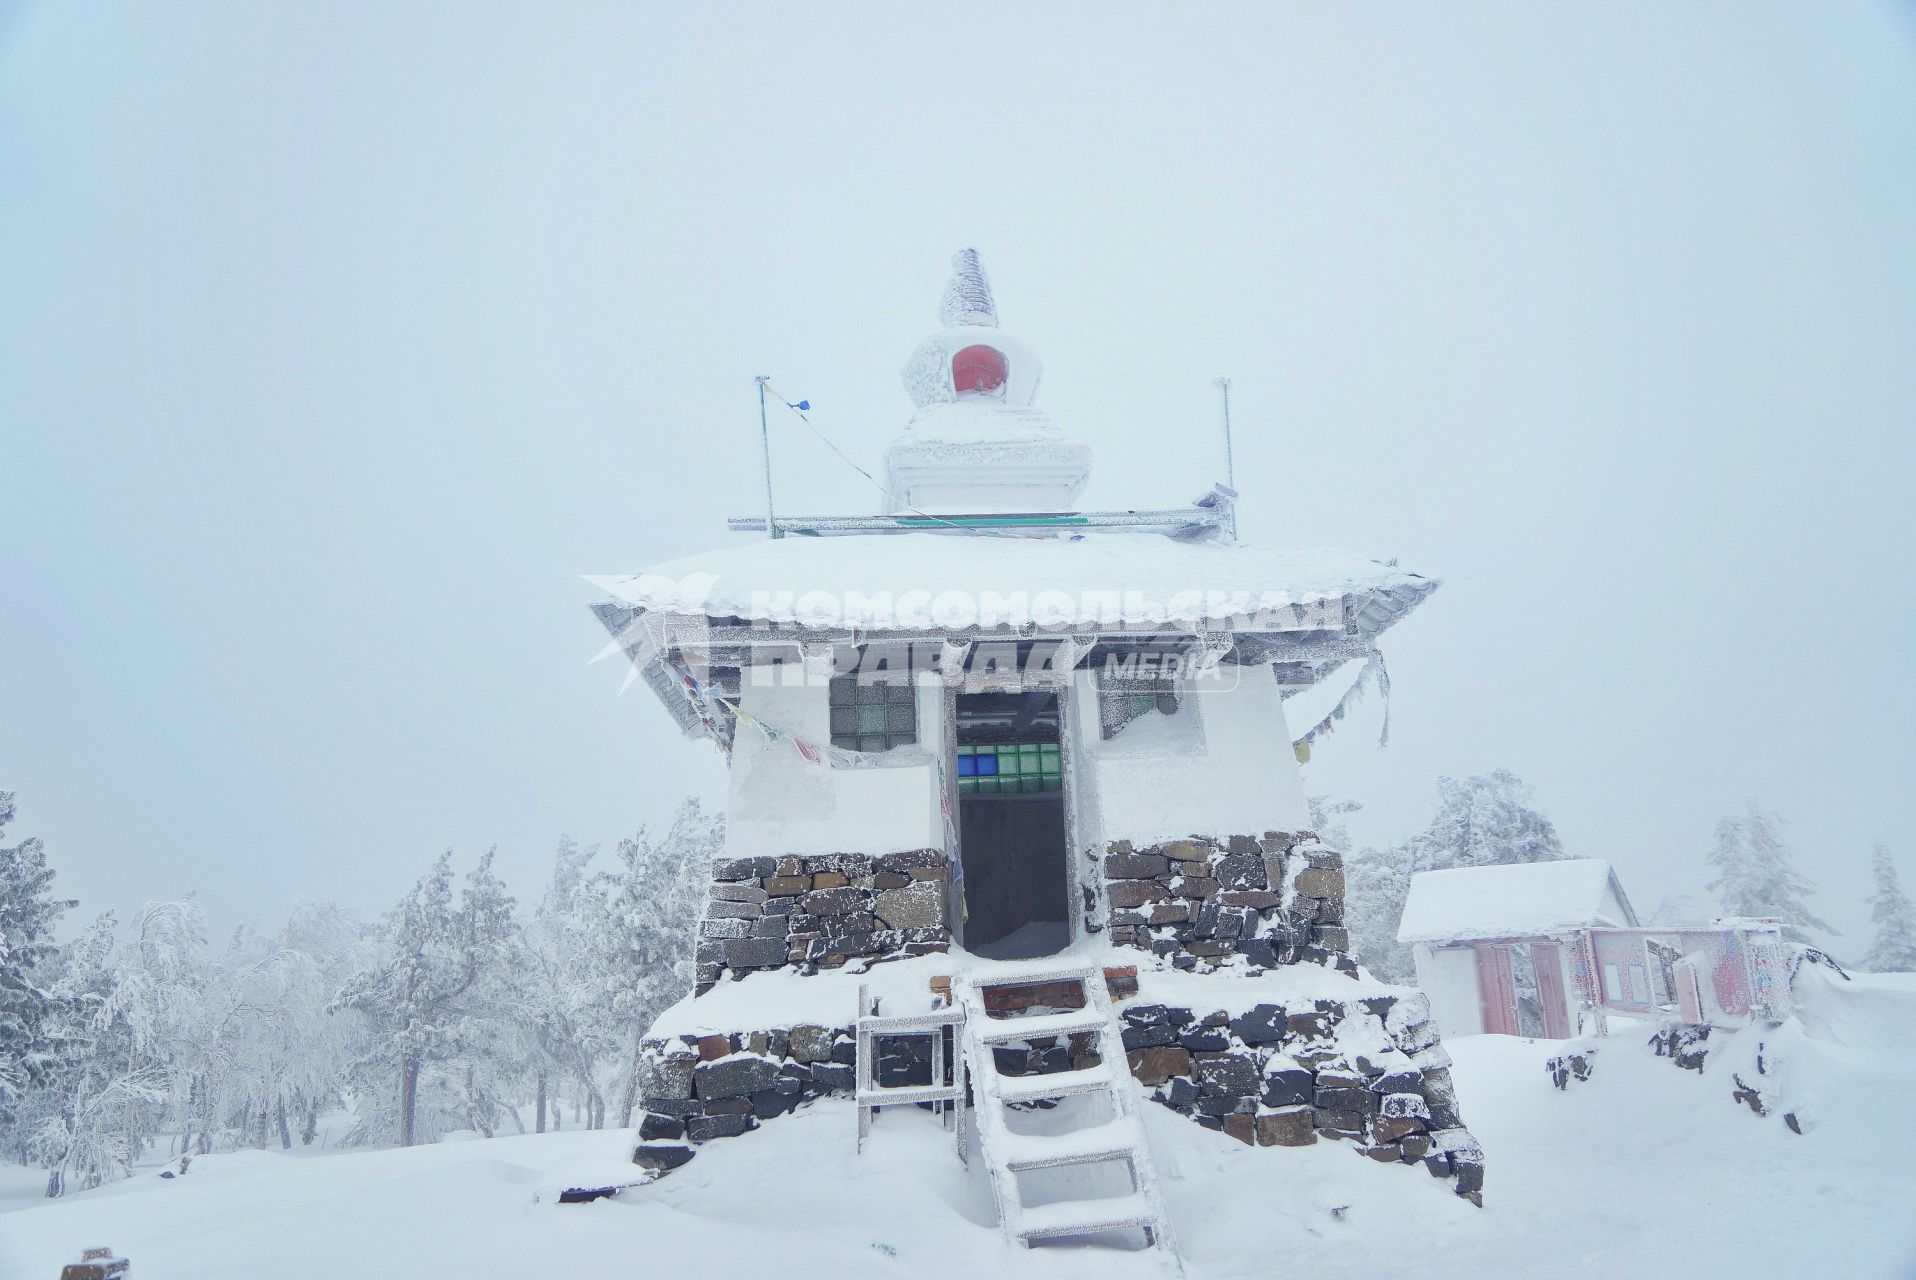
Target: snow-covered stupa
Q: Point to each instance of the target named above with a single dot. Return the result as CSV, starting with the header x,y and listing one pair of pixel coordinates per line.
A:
x,y
1015,817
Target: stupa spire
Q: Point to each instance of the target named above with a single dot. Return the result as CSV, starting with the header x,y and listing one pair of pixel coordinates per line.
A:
x,y
967,298
978,441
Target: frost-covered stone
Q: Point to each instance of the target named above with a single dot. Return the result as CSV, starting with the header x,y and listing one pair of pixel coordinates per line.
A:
x,y
919,905
661,1156
812,1043
663,1075
1289,1127
734,1077
1404,1106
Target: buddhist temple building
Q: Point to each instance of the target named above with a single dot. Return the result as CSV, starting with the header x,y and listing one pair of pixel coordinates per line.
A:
x,y
1015,824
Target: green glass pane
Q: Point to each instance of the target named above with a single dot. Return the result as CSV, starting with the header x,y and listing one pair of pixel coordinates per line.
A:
x,y
1009,766
871,719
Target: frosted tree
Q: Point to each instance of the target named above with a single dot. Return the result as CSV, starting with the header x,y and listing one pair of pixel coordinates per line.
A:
x,y
563,1010
283,1055
1756,873
1894,950
332,945
643,935
29,1041
1486,820
438,992
1374,898
1483,821
111,1091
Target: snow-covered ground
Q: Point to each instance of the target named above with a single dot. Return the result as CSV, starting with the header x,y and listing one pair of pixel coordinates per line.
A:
x,y
1644,1171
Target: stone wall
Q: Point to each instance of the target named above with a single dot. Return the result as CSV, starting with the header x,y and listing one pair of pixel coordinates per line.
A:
x,y
820,911
1367,1070
693,1089
1272,899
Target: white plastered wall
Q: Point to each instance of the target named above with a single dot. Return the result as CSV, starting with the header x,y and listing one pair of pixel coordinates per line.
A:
x,y
780,803
1224,765
1448,975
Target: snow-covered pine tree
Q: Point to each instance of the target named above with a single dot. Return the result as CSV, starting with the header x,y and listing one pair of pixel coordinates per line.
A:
x,y
1756,874
29,1044
1486,820
1894,950
435,997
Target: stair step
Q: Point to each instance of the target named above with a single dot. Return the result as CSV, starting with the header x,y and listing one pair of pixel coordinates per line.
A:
x,y
1056,1084
1034,977
1082,1217
906,1095
893,1023
1111,1140
1004,1031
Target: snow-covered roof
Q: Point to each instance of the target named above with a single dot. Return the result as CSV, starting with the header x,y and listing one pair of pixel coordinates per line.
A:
x,y
1530,900
895,581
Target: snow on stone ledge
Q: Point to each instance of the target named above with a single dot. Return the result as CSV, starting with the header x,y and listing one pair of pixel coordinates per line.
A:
x,y
1529,900
786,998
1130,577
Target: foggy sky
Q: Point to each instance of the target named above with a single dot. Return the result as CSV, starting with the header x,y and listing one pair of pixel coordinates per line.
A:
x,y
338,342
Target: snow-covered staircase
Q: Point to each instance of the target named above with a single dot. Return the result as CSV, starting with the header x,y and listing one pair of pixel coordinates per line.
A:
x,y
1119,1138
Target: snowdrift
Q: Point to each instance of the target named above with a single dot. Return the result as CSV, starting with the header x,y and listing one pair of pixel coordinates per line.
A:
x,y
1644,1170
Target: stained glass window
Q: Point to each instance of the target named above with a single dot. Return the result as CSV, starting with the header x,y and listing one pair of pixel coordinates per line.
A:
x,y
1006,767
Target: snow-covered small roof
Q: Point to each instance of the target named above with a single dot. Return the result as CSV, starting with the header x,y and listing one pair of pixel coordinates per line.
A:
x,y
1530,900
884,581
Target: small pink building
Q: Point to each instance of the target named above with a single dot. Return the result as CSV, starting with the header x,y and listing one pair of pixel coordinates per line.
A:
x,y
1535,949
1505,949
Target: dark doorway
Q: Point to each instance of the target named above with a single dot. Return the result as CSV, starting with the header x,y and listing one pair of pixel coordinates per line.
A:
x,y
1011,824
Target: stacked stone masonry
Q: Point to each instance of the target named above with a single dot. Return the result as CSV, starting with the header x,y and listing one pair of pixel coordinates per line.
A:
x,y
1367,1070
1272,899
819,912
696,1088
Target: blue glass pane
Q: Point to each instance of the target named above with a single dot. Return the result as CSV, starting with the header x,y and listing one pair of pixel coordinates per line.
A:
x,y
987,766
967,766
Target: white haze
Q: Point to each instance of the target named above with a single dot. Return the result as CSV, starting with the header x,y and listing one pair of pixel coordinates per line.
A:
x,y
336,343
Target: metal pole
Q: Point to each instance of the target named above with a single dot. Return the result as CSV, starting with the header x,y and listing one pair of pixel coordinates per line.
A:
x,y
1230,465
765,444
